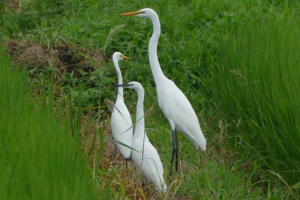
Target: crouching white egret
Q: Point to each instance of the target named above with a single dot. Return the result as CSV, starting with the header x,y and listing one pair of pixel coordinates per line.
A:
x,y
121,123
145,157
174,104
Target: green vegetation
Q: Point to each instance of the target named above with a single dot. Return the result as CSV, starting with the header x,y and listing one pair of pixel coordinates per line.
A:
x,y
38,158
236,61
256,82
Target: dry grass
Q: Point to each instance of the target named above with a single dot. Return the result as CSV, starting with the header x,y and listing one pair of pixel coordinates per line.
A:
x,y
65,58
12,4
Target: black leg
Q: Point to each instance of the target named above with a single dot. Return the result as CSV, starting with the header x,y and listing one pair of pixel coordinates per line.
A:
x,y
174,150
115,153
126,159
144,180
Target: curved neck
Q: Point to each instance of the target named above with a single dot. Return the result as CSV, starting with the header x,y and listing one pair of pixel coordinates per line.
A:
x,y
120,79
140,119
153,59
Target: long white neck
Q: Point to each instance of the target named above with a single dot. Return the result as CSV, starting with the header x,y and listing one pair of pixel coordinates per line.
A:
x,y
120,79
140,119
152,49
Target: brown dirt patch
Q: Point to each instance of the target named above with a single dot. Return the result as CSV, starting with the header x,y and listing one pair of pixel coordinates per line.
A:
x,y
11,4
65,58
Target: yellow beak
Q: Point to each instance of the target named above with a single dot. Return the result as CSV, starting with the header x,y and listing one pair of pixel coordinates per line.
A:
x,y
125,57
130,13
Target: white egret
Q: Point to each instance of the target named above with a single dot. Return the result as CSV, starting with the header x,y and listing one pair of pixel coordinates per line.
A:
x,y
121,123
173,103
145,157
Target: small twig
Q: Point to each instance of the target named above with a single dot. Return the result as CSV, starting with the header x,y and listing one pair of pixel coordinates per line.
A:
x,y
288,187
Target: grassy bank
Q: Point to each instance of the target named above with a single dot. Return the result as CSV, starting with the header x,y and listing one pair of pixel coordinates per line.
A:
x,y
38,158
256,83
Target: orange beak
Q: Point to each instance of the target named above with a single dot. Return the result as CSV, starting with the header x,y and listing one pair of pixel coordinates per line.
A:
x,y
130,13
125,57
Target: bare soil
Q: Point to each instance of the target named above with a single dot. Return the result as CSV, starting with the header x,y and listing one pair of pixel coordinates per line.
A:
x,y
65,58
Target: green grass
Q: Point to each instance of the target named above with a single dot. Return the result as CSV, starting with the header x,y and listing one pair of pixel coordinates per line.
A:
x,y
38,158
194,35
256,82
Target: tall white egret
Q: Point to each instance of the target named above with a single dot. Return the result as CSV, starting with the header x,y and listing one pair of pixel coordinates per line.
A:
x,y
121,123
174,104
145,157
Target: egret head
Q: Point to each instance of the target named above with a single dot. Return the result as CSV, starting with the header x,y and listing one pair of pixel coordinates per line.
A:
x,y
133,85
118,56
146,12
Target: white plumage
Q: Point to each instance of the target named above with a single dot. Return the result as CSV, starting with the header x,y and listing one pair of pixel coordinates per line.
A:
x,y
145,157
174,104
180,114
121,123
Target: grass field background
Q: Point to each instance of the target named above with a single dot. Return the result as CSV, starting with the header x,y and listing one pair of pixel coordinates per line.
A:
x,y
236,61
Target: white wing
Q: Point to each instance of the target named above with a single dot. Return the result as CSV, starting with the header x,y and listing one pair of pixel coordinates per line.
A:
x,y
151,165
121,126
177,108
